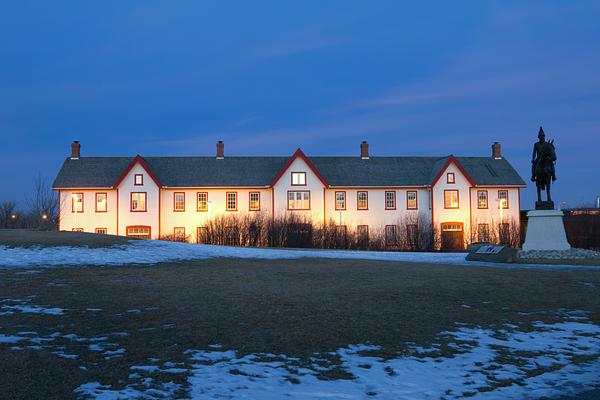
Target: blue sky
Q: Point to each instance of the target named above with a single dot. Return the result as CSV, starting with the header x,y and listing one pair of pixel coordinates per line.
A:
x,y
171,78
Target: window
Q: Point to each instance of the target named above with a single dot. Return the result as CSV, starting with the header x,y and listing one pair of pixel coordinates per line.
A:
x,y
391,236
101,231
231,201
412,235
140,232
342,230
179,233
138,180
77,230
503,233
100,202
340,200
411,200
450,198
363,233
483,232
77,202
482,199
254,201
362,201
503,199
202,201
201,235
179,201
299,200
138,201
298,178
390,200
450,177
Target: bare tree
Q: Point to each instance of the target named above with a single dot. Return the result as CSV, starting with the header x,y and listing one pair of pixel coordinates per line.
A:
x,y
7,214
43,203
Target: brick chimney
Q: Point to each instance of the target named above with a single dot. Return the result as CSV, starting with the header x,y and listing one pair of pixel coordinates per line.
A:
x,y
496,151
75,150
364,150
220,150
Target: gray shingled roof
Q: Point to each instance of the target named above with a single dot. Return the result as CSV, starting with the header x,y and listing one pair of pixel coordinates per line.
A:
x,y
260,171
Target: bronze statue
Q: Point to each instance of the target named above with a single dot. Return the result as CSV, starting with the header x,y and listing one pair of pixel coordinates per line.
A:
x,y
542,170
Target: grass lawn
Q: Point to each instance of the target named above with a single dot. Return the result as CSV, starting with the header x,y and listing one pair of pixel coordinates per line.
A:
x,y
30,238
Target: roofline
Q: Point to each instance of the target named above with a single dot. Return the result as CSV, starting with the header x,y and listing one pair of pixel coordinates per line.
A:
x,y
218,187
502,186
299,153
137,160
83,188
380,186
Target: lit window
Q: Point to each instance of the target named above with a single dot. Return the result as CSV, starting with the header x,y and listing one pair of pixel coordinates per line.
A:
x,y
138,201
138,180
298,178
450,198
503,199
202,203
362,200
179,233
179,201
391,237
254,201
77,230
483,232
101,231
340,200
141,232
390,200
77,203
100,202
482,199
411,200
299,200
450,177
231,201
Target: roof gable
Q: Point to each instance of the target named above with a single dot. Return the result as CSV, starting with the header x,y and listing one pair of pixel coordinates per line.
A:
x,y
137,160
452,160
299,154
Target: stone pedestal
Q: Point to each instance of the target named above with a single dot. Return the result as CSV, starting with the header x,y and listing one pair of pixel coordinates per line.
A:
x,y
545,231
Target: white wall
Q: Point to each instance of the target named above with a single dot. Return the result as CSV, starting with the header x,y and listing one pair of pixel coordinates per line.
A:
x,y
148,218
89,219
492,215
313,184
462,214
191,219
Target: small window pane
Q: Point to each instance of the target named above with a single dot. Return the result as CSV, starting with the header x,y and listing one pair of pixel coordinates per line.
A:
x,y
179,202
202,204
77,202
362,200
254,201
411,200
390,200
138,201
482,199
340,200
139,179
451,199
503,199
298,178
231,201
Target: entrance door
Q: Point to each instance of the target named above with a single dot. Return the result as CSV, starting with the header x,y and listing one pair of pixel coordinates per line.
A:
x,y
138,232
452,236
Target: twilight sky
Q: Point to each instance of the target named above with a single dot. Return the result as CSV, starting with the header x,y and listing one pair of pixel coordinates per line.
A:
x,y
171,78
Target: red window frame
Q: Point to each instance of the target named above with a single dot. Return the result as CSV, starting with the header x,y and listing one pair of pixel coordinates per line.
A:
x,y
250,201
101,229
416,207
175,209
138,226
450,175
386,200
337,207
358,233
507,205
105,203
298,191
395,241
73,202
135,181
131,201
175,231
457,199
227,201
198,202
487,199
292,178
358,207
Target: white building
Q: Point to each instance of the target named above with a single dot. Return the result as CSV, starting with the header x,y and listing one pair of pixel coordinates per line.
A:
x,y
464,199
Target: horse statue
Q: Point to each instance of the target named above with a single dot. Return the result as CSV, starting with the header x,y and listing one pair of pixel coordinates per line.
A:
x,y
543,171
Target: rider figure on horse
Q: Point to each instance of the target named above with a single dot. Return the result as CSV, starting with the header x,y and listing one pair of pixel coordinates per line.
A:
x,y
538,150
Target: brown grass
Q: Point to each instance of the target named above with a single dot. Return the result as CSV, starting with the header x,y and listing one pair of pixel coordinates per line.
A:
x,y
30,238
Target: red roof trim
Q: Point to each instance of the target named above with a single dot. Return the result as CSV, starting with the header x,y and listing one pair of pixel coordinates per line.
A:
x,y
137,160
452,159
299,153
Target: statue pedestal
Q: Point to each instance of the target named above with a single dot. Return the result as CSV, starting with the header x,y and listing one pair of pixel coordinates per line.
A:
x,y
545,231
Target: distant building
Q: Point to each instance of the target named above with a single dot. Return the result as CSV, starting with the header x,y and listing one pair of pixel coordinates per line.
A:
x,y
464,199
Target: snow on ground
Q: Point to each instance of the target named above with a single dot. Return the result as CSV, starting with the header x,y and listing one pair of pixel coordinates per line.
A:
x,y
478,364
152,252
21,306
